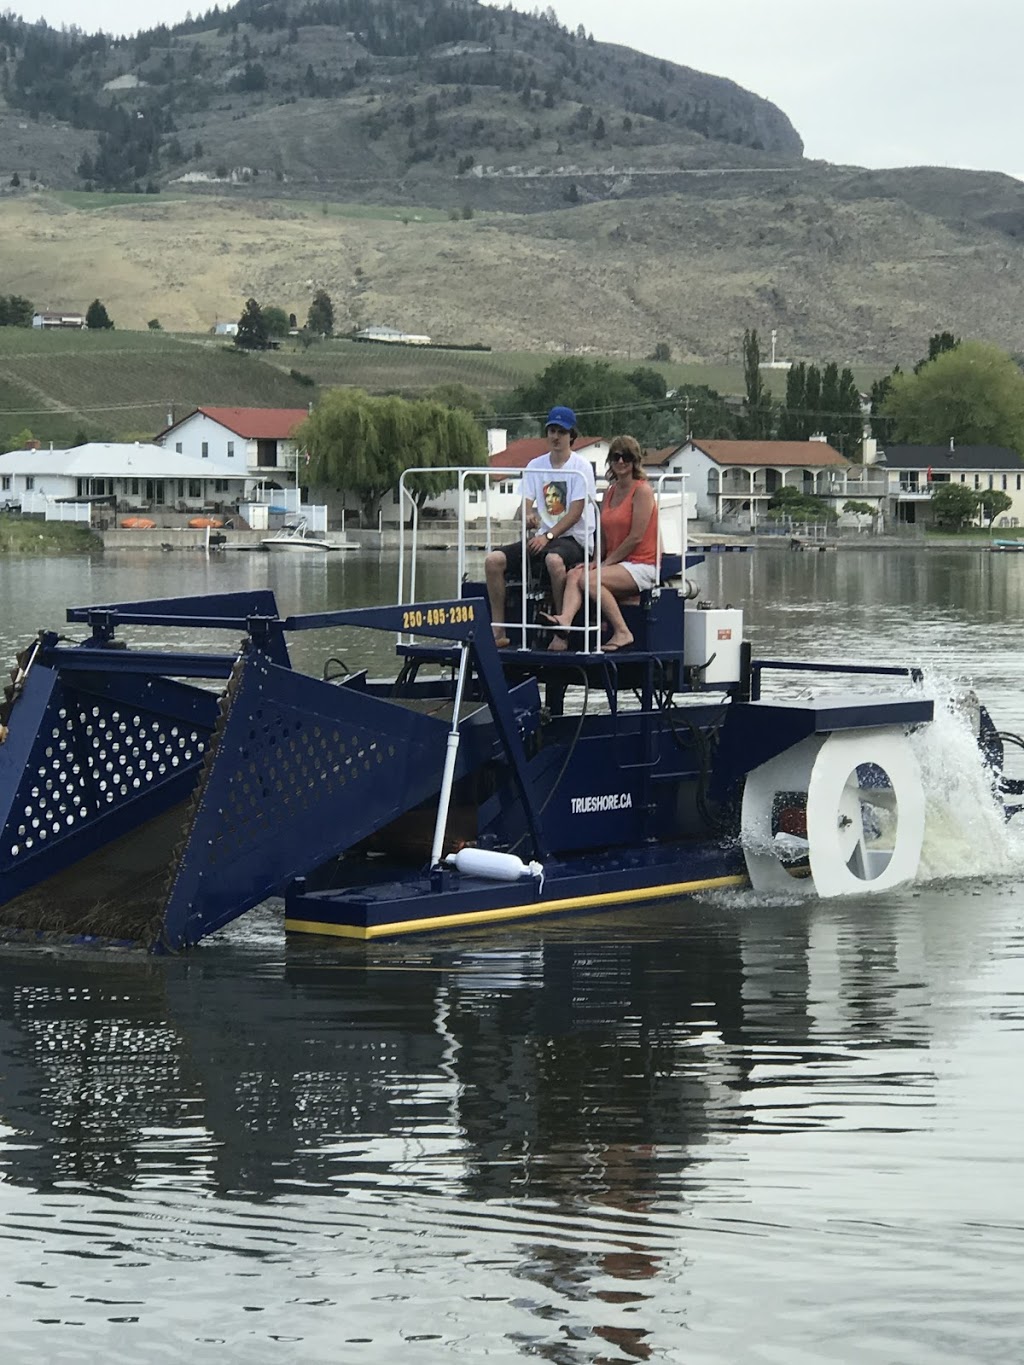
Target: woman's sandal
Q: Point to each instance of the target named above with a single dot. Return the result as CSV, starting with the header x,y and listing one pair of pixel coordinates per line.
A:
x,y
559,631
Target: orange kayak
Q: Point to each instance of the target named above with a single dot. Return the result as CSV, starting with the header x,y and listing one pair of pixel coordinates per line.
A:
x,y
199,522
137,524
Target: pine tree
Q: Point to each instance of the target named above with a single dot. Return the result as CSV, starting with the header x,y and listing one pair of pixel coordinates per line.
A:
x,y
829,398
320,319
97,318
252,329
850,427
812,402
757,419
792,420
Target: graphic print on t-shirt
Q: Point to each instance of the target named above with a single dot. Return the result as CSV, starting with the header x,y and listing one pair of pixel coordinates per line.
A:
x,y
555,498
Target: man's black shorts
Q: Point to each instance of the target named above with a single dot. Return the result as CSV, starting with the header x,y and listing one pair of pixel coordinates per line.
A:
x,y
568,549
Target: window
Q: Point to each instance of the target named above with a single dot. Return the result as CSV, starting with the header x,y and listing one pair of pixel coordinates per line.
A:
x,y
181,488
1018,483
977,480
177,447
135,486
231,450
991,480
195,488
81,486
30,483
206,450
220,485
473,495
963,478
5,483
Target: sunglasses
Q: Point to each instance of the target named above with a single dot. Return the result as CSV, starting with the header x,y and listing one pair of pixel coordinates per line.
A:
x,y
622,458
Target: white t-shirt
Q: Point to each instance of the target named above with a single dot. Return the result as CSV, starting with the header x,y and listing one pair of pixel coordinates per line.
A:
x,y
554,487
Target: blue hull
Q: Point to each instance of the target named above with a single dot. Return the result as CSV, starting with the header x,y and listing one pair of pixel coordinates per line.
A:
x,y
448,900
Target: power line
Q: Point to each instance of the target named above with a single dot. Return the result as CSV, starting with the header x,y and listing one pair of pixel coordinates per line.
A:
x,y
103,407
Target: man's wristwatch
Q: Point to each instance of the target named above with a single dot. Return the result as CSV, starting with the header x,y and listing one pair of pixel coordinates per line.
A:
x,y
548,535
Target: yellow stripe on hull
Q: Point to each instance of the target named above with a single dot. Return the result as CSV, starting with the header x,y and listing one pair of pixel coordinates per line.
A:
x,y
414,926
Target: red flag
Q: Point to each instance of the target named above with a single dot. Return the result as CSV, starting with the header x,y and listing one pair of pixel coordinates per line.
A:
x,y
929,473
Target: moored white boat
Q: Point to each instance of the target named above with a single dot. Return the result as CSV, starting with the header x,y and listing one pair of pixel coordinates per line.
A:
x,y
297,537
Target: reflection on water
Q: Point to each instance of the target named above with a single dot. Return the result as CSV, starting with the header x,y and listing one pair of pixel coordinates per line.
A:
x,y
720,1131
553,1143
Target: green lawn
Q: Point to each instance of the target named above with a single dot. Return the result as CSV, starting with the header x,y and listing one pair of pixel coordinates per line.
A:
x,y
97,199
30,536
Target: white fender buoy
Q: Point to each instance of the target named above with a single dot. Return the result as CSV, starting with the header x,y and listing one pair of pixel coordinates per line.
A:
x,y
858,795
487,862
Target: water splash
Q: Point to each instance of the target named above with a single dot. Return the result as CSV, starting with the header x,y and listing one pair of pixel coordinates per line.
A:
x,y
966,834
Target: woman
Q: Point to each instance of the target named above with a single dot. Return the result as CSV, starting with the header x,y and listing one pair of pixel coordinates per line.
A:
x,y
629,539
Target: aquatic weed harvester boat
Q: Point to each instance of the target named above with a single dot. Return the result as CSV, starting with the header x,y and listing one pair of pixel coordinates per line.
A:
x,y
154,795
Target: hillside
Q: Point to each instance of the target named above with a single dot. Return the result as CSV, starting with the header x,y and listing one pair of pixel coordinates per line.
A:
x,y
841,266
386,100
65,385
472,173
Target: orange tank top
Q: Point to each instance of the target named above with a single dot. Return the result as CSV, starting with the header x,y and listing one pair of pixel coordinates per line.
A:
x,y
616,523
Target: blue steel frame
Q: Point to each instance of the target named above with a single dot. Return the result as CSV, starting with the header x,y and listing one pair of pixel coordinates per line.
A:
x,y
295,771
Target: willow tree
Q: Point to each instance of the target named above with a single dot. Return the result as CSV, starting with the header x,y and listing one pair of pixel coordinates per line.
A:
x,y
359,444
445,437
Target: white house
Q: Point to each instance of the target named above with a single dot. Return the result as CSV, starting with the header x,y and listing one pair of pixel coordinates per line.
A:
x,y
137,476
392,335
253,443
225,329
914,472
60,319
733,481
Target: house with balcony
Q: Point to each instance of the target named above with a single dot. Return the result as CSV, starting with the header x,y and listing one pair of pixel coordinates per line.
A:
x,y
914,472
257,444
734,481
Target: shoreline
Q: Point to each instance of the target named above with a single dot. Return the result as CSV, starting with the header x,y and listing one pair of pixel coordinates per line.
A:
x,y
32,537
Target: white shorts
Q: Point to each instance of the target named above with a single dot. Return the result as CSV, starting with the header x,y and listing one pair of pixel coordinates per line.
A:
x,y
643,575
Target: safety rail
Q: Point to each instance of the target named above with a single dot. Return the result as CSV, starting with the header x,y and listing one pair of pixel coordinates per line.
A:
x,y
758,666
408,543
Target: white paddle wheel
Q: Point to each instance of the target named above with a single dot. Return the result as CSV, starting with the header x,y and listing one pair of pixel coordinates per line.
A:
x,y
835,815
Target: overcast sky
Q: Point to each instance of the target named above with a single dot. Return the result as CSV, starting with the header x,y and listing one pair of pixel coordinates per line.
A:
x,y
866,83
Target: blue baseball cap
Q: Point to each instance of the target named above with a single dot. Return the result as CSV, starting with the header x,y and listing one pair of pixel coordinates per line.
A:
x,y
561,417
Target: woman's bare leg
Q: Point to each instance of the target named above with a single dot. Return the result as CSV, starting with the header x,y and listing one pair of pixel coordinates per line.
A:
x,y
572,600
616,582
621,634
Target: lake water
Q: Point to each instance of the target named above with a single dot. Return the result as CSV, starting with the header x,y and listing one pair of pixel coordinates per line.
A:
x,y
729,1130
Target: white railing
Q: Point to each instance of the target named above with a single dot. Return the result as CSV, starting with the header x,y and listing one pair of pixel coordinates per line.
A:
x,y
288,498
672,538
52,510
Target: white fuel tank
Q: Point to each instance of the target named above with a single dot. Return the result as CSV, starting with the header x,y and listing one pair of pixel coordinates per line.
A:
x,y
713,637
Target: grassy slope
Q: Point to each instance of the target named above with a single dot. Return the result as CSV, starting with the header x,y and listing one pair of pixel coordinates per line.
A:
x,y
118,384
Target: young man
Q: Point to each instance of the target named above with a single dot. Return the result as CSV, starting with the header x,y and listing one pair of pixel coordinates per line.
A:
x,y
559,493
